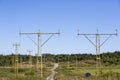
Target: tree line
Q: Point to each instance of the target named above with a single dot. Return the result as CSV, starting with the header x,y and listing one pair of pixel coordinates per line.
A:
x,y
106,58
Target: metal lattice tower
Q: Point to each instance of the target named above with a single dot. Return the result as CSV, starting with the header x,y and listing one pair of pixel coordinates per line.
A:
x,y
39,44
97,45
16,59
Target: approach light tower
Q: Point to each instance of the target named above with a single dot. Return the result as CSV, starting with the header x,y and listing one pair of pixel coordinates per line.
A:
x,y
39,44
16,59
97,45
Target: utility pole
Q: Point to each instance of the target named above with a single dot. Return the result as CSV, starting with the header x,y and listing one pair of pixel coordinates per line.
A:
x,y
97,46
39,44
16,59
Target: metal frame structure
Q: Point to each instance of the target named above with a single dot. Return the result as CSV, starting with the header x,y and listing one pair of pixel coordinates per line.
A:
x,y
16,59
39,44
97,45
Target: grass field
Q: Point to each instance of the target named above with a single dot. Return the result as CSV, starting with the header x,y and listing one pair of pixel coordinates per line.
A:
x,y
78,72
65,71
25,72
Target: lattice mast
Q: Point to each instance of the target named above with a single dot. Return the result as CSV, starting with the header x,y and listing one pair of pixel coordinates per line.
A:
x,y
97,45
39,44
16,59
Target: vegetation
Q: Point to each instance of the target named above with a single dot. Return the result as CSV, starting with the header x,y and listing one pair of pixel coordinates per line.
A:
x,y
109,73
71,66
109,58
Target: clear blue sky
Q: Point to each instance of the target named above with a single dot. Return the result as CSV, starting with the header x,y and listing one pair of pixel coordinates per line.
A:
x,y
53,15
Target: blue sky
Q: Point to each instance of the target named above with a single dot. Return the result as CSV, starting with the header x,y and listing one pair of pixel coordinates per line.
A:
x,y
53,15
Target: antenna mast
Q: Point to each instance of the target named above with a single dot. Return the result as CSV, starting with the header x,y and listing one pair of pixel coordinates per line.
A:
x,y
39,44
97,45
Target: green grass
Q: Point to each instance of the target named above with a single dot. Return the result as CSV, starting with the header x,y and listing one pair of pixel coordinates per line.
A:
x,y
73,73
65,72
25,72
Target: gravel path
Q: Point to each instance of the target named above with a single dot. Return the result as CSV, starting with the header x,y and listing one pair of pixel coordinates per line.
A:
x,y
51,77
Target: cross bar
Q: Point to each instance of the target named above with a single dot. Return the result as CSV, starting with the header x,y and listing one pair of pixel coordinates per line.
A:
x,y
37,33
99,33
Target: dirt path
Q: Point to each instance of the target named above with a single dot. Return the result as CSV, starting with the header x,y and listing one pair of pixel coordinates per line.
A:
x,y
51,77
